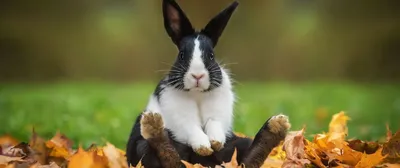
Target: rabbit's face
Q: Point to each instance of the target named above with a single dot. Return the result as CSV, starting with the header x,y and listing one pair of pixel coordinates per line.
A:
x,y
196,64
195,68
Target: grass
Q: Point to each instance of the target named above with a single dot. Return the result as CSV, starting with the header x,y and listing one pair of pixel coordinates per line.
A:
x,y
97,112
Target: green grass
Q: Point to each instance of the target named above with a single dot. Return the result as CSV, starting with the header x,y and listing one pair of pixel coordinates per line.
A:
x,y
96,112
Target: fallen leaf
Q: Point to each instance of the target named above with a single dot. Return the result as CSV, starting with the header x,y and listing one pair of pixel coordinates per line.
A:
x,y
114,156
38,145
83,159
62,141
338,128
233,163
370,160
7,141
189,165
4,160
294,148
392,147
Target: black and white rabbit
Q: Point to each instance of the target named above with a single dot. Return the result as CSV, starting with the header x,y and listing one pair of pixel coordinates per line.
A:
x,y
190,113
195,99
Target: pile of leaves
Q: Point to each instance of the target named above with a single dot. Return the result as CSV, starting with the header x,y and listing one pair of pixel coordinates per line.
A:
x,y
330,149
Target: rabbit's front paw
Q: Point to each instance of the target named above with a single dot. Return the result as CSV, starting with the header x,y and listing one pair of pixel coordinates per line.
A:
x,y
279,124
204,151
151,125
216,145
201,145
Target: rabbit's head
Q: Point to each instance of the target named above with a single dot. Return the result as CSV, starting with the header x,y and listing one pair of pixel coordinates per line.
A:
x,y
195,67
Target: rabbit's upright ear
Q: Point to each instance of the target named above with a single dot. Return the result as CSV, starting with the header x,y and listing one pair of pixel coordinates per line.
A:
x,y
176,23
216,25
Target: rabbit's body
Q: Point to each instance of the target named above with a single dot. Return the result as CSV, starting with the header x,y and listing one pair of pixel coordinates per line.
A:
x,y
195,117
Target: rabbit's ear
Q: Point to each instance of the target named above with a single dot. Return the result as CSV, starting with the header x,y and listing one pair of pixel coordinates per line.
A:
x,y
216,25
176,23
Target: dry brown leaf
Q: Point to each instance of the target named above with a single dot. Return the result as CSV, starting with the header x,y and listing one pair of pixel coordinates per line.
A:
x,y
388,133
392,147
114,156
4,160
38,144
294,148
63,141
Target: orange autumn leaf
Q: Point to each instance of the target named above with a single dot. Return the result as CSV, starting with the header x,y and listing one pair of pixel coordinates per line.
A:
x,y
57,151
189,165
62,141
370,160
313,154
233,163
83,159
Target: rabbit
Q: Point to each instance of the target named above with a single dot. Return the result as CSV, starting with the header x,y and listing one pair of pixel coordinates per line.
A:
x,y
195,99
189,116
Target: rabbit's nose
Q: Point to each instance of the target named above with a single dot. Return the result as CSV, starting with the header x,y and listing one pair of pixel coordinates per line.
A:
x,y
198,76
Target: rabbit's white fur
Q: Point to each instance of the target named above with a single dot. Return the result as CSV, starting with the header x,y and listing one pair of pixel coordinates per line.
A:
x,y
195,117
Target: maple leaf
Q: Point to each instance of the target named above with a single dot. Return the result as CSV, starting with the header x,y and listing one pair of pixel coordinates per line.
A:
x,y
233,163
294,148
83,159
114,156
370,160
63,141
189,165
338,129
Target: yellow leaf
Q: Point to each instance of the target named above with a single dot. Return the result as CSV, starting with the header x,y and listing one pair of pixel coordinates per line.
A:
x,y
338,128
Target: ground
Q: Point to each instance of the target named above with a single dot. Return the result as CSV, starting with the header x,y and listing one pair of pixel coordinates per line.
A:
x,y
99,112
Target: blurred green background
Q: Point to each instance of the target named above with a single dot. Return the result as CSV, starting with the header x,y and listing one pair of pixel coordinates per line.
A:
x,y
87,68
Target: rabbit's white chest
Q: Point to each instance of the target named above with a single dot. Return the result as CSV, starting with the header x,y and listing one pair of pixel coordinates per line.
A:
x,y
190,110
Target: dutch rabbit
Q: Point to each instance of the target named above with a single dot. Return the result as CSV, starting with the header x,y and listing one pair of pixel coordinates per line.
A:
x,y
189,116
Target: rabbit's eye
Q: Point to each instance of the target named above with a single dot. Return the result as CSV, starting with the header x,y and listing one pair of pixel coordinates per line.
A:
x,y
181,55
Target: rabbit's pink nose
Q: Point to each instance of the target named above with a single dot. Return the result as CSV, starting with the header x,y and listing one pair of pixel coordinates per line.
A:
x,y
198,76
